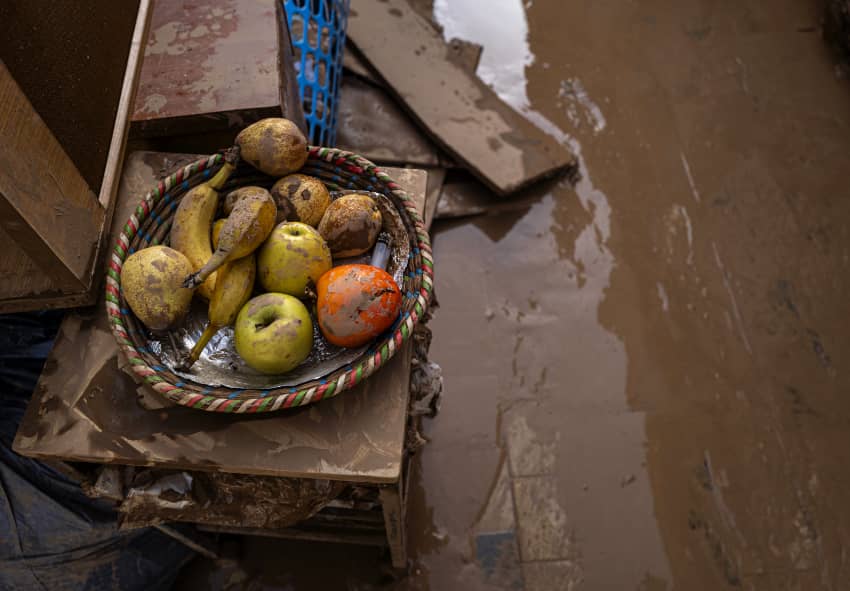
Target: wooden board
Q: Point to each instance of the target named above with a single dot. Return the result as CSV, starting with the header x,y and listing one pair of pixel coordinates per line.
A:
x,y
436,177
70,58
374,126
53,222
465,53
24,278
462,113
40,186
208,65
85,409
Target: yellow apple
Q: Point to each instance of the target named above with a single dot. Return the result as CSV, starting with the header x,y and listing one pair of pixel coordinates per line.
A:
x,y
294,256
273,333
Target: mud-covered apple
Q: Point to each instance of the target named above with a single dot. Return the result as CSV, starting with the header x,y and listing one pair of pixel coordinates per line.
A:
x,y
273,333
293,257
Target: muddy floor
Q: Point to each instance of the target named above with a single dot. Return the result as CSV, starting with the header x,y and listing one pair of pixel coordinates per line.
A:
x,y
643,372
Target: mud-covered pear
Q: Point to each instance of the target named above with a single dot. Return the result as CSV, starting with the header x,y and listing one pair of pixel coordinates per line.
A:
x,y
351,224
275,146
151,281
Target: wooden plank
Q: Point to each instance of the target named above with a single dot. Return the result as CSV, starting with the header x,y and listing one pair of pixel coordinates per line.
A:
x,y
462,113
373,125
85,409
466,54
49,264
208,65
69,58
48,206
292,533
354,63
115,157
436,177
391,504
463,198
21,276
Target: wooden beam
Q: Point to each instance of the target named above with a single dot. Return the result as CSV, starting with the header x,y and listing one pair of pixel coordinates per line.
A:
x,y
115,159
463,114
392,505
49,208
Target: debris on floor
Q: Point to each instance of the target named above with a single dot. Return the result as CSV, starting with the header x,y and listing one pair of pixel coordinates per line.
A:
x,y
499,145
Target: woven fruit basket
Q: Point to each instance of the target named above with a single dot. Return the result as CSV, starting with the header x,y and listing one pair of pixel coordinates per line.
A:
x,y
150,225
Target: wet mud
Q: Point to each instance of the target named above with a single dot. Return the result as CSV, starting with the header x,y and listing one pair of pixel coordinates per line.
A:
x,y
644,386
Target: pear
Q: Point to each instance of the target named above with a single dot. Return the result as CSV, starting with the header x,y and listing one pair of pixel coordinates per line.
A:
x,y
151,281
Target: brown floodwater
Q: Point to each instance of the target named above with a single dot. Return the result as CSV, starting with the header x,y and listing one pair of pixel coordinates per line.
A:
x,y
643,371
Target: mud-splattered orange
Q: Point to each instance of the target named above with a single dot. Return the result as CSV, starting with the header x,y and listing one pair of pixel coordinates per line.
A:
x,y
356,303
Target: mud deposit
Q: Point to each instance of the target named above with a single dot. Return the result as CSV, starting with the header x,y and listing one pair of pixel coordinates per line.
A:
x,y
643,373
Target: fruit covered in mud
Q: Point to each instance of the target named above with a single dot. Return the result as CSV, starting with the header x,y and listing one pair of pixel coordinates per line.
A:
x,y
356,303
245,229
236,195
151,283
293,257
273,333
301,198
351,225
275,146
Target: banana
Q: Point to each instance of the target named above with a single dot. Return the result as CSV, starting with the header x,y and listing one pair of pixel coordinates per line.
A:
x,y
233,286
247,227
190,229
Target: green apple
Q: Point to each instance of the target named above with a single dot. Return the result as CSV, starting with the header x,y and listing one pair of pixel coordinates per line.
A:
x,y
294,256
273,332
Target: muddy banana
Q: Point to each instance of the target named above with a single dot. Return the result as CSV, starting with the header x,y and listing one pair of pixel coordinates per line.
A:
x,y
190,230
247,227
233,286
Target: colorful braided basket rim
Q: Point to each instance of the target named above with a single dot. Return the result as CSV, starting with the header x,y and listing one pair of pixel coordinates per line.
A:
x,y
149,225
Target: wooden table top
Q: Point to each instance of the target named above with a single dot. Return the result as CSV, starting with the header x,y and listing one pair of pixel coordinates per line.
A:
x,y
85,408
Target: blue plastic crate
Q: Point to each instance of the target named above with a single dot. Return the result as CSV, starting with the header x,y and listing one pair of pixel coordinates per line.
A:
x,y
317,29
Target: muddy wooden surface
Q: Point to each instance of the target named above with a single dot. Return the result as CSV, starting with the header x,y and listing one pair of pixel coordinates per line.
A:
x,y
40,186
85,408
461,112
373,125
644,374
210,63
69,58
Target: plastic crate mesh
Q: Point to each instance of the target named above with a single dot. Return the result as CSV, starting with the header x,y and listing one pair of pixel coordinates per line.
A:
x,y
317,29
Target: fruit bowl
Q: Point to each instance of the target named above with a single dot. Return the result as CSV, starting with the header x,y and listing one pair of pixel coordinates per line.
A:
x,y
329,372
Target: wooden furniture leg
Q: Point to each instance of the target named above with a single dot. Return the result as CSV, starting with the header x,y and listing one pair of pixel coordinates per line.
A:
x,y
392,503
